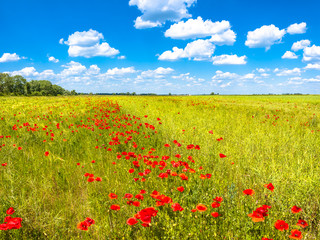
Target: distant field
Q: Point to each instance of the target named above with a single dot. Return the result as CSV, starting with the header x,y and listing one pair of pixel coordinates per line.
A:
x,y
193,156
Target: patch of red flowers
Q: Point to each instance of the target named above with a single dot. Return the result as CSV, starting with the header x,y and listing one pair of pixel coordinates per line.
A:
x,y
10,222
85,224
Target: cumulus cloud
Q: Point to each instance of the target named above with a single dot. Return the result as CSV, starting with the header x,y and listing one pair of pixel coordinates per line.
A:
x,y
264,37
156,12
311,53
196,28
73,68
157,73
226,38
88,44
315,66
300,45
229,60
120,71
297,28
26,72
196,50
288,72
289,55
53,59
9,57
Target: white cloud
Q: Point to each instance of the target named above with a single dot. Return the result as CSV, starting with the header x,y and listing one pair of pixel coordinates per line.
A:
x,y
288,72
264,37
53,59
157,73
297,28
102,49
26,72
156,12
265,75
141,24
73,68
229,60
315,66
311,53
289,55
224,75
120,71
262,70
122,57
93,70
87,44
197,28
300,45
9,57
196,50
226,38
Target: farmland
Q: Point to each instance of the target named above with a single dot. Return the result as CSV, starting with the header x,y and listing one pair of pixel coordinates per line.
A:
x,y
155,167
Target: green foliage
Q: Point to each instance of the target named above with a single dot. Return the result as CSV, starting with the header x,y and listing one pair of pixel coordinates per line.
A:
x,y
18,86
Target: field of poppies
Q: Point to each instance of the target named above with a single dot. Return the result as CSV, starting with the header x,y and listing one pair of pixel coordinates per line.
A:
x,y
155,167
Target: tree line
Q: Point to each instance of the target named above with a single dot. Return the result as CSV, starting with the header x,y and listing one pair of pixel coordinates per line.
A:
x,y
19,86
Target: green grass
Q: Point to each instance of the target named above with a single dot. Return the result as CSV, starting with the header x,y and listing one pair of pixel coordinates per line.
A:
x,y
268,138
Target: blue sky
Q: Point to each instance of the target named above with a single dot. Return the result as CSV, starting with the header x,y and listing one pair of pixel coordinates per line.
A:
x,y
162,46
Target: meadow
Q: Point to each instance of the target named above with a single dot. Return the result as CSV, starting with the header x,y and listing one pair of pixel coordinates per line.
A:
x,y
160,167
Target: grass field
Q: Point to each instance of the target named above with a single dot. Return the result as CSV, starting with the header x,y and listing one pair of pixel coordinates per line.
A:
x,y
215,147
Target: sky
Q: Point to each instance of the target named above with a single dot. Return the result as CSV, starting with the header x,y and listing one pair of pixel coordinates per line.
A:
x,y
164,46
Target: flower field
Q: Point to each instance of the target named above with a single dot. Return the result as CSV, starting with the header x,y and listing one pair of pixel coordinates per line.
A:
x,y
155,167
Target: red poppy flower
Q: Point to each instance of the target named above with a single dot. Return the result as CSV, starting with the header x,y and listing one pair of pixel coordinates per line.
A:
x,y
176,207
3,227
90,179
222,155
201,207
10,211
180,189
295,234
131,170
215,214
248,192
128,195
112,196
215,205
269,186
295,209
14,223
267,238
281,225
218,199
90,221
46,154
256,216
83,226
142,191
132,221
115,207
136,204
167,145
98,179
19,148
302,223
139,196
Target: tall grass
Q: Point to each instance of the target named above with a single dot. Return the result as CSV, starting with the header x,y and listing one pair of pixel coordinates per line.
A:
x,y
267,139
